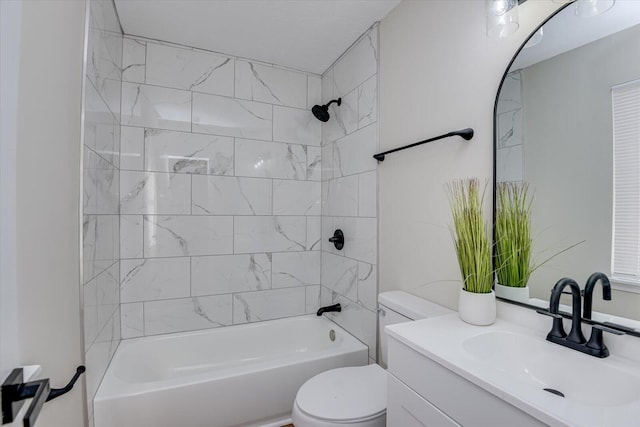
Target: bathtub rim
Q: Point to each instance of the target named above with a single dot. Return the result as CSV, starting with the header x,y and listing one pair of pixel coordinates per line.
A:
x,y
114,387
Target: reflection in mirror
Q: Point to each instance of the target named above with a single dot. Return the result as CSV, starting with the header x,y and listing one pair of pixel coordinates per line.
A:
x,y
568,124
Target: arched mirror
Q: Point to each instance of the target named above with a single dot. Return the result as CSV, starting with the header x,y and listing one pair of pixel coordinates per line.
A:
x,y
567,123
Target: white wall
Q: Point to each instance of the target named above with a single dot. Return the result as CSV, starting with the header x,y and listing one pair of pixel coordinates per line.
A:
x,y
48,183
438,72
10,12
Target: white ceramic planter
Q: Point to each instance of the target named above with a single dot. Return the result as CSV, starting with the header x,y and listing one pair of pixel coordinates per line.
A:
x,y
513,294
477,309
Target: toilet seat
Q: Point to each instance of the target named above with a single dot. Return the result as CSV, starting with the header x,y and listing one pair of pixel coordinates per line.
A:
x,y
345,395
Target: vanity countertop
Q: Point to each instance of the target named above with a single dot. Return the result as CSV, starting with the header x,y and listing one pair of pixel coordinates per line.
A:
x,y
516,363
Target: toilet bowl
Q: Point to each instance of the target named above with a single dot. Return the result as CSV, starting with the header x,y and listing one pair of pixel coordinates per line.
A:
x,y
357,396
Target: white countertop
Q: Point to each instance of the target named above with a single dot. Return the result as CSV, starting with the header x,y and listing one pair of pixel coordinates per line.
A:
x,y
442,339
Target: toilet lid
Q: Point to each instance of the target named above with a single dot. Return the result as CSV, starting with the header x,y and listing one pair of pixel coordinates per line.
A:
x,y
345,394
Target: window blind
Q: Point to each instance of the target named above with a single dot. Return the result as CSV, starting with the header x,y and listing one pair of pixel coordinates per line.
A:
x,y
626,177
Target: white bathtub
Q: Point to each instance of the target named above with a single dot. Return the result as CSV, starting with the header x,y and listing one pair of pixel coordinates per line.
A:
x,y
245,375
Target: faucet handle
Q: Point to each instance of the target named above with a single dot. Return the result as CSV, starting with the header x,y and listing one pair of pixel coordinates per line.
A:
x,y
608,329
550,314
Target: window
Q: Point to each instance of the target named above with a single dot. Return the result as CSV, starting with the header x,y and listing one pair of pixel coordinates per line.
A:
x,y
626,182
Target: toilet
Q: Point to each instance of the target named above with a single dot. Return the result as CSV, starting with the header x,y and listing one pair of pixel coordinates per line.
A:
x,y
357,396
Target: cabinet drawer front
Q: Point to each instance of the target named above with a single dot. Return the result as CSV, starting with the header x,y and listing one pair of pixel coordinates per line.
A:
x,y
460,399
406,408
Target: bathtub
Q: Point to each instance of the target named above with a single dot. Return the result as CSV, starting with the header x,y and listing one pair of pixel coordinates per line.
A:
x,y
244,375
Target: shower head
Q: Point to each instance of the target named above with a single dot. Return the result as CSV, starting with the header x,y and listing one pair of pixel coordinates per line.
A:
x,y
322,111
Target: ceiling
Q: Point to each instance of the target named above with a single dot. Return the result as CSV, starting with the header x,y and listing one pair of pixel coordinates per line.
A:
x,y
307,35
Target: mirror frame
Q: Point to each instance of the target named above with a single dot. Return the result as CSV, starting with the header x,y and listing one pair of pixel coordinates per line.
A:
x,y
621,328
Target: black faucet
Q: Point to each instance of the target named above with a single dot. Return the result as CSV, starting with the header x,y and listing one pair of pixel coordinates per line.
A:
x,y
557,333
334,307
575,340
592,281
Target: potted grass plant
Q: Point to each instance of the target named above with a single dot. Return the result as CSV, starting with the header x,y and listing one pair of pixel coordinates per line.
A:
x,y
476,299
513,250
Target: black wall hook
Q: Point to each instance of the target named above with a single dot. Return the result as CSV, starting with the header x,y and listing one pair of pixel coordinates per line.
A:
x,y
15,391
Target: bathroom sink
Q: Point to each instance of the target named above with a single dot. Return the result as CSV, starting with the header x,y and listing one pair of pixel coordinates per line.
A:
x,y
517,364
538,364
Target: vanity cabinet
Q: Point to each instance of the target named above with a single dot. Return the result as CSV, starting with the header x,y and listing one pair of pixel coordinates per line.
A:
x,y
421,392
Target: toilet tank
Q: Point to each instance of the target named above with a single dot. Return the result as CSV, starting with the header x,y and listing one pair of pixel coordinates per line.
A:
x,y
399,307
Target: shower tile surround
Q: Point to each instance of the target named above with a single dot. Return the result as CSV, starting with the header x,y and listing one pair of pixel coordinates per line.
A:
x,y
207,202
220,190
101,186
349,189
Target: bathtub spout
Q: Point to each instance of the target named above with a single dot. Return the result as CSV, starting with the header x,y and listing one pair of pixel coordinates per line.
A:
x,y
334,307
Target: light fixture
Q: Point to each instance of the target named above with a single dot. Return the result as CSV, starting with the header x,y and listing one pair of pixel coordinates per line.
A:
x,y
589,8
502,18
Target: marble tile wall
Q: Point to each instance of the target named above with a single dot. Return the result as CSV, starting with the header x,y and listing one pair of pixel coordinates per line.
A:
x,y
349,190
220,190
101,193
510,152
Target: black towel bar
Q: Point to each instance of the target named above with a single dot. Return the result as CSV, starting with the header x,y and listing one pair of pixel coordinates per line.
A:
x,y
467,134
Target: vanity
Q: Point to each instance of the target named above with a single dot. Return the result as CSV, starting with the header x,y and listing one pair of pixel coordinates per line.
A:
x,y
444,372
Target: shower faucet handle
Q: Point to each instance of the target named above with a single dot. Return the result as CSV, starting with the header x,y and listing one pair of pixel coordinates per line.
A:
x,y
337,239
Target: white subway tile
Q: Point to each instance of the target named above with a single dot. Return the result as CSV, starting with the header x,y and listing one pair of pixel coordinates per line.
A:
x,y
267,305
296,269
269,234
258,82
166,236
131,239
360,63
313,233
270,159
367,194
296,126
296,197
341,196
153,279
132,320
189,69
367,286
156,107
186,314
327,161
224,274
217,195
219,115
154,193
133,60
327,86
312,299
344,118
356,319
314,91
182,152
368,102
360,240
132,148
340,274
354,153
314,163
